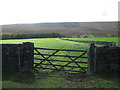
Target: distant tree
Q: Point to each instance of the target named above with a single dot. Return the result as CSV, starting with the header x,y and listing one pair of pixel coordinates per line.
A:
x,y
39,35
78,36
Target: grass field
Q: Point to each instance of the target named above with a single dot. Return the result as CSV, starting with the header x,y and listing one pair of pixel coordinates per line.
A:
x,y
48,43
56,79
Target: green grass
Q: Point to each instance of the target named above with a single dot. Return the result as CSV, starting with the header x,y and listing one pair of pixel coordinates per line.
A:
x,y
48,43
58,80
108,39
55,79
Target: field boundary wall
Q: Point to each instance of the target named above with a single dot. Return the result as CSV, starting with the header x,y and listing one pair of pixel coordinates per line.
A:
x,y
103,59
17,57
20,57
95,42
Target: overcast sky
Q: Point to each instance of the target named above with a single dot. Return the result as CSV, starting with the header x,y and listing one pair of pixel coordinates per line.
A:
x,y
37,11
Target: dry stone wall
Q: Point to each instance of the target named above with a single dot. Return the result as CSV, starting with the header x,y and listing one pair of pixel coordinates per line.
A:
x,y
17,57
95,42
104,59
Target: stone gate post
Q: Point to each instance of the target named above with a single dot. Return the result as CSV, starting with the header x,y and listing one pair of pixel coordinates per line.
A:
x,y
91,58
28,56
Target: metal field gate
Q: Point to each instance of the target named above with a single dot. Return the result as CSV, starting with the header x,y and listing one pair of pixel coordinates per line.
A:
x,y
60,59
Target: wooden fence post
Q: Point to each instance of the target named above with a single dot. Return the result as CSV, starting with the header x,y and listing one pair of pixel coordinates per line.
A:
x,y
91,57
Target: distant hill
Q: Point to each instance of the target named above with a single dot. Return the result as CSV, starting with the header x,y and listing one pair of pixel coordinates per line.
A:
x,y
98,29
